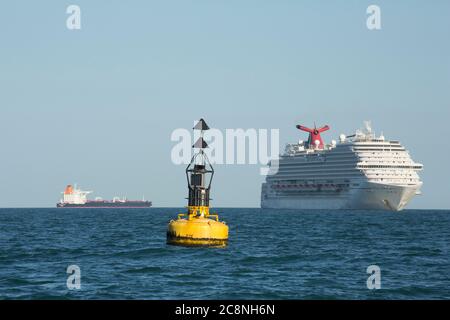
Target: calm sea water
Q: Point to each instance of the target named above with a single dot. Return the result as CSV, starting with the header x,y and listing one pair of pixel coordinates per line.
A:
x,y
272,254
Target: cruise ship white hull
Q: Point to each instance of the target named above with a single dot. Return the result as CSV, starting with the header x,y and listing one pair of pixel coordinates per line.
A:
x,y
370,196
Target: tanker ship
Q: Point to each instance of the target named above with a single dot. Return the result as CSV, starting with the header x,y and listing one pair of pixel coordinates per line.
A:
x,y
77,198
360,171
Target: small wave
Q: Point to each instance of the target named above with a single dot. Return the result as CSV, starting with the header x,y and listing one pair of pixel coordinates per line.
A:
x,y
145,270
141,252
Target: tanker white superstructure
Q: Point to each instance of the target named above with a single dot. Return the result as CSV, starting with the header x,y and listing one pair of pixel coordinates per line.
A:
x,y
361,171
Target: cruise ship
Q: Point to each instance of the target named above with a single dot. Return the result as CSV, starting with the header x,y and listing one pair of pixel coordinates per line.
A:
x,y
360,171
77,198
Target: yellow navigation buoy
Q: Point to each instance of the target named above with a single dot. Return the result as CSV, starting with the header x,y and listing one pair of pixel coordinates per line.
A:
x,y
196,227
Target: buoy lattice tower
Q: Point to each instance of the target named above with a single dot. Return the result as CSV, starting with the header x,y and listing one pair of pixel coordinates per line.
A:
x,y
198,227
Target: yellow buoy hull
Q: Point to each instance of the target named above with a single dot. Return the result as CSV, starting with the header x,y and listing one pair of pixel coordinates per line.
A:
x,y
197,231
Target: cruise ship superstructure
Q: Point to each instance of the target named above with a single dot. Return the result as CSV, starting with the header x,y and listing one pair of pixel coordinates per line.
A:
x,y
360,171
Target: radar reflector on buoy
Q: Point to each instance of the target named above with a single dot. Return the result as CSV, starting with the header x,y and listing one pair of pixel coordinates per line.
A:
x,y
200,144
201,125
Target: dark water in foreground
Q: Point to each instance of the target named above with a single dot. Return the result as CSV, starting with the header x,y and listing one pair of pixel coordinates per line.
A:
x,y
271,255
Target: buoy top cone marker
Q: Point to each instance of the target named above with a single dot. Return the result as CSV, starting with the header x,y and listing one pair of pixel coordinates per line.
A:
x,y
198,227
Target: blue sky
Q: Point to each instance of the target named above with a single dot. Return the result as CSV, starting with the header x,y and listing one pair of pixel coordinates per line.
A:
x,y
97,106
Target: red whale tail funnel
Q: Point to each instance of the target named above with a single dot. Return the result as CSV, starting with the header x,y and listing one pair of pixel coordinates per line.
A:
x,y
314,135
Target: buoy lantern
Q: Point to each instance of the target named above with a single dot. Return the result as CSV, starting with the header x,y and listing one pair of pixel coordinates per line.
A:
x,y
198,227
